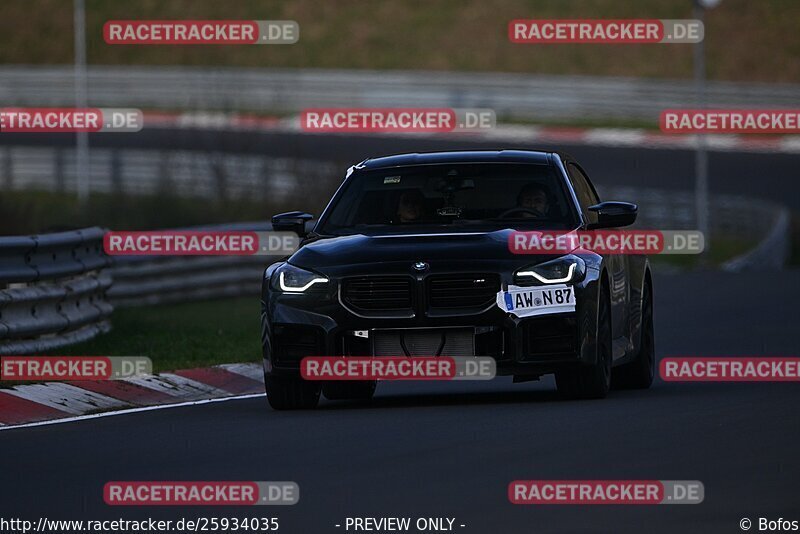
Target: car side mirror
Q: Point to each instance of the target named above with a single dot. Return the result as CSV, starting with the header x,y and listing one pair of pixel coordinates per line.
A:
x,y
614,214
291,221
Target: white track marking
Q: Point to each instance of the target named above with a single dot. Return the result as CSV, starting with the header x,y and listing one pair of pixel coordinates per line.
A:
x,y
722,142
193,387
633,137
513,132
130,411
77,401
65,397
168,387
615,136
249,370
790,143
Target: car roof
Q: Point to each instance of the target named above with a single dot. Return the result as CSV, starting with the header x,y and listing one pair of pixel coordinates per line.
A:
x,y
459,156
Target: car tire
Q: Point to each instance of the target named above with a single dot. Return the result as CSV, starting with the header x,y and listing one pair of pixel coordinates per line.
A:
x,y
349,390
592,381
291,393
639,373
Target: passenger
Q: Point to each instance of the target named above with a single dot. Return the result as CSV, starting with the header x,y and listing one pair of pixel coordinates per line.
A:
x,y
410,207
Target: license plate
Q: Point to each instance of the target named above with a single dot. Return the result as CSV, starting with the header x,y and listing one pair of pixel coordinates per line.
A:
x,y
527,301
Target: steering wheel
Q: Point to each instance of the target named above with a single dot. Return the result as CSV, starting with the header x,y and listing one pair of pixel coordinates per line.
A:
x,y
531,211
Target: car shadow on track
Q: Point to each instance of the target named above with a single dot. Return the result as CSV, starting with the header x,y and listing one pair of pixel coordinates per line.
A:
x,y
659,391
541,396
445,399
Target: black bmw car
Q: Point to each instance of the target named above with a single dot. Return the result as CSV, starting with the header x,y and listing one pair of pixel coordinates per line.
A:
x,y
411,257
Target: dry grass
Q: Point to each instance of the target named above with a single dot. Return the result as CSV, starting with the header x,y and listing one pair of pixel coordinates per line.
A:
x,y
746,39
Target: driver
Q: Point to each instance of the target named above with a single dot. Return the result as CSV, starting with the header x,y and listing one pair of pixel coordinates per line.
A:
x,y
533,197
410,206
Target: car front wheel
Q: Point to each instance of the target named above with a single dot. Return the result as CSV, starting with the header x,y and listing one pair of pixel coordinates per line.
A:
x,y
291,393
592,381
640,372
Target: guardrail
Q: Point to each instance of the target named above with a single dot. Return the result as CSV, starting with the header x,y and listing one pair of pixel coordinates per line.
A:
x,y
511,95
52,290
186,173
148,280
166,280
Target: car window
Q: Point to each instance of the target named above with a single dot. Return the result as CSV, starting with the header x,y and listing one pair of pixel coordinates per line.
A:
x,y
584,191
457,196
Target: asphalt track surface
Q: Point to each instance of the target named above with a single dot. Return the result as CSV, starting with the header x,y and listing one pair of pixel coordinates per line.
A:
x,y
451,449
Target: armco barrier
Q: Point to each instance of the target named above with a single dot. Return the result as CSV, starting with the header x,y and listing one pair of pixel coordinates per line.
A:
x,y
289,90
52,290
151,171
147,280
154,280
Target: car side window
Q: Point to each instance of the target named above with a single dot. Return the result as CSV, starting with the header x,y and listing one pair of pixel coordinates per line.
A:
x,y
584,191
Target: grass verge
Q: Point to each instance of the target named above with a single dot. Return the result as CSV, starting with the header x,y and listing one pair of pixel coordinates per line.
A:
x,y
182,336
720,250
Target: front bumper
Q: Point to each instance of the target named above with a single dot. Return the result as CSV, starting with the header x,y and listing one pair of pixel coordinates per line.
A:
x,y
298,325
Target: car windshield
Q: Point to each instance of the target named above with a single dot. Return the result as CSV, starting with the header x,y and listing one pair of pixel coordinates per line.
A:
x,y
463,197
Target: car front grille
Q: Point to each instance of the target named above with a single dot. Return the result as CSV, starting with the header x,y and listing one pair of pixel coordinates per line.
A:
x,y
396,296
375,294
462,291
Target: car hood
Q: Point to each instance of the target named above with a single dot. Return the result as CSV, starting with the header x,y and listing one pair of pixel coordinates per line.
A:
x,y
485,249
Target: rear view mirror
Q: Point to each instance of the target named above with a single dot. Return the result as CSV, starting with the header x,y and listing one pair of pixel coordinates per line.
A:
x,y
291,221
614,214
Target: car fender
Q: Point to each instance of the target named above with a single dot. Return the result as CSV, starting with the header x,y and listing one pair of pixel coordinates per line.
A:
x,y
587,309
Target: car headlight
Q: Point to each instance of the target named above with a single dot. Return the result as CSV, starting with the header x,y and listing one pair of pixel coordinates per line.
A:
x,y
564,270
291,279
